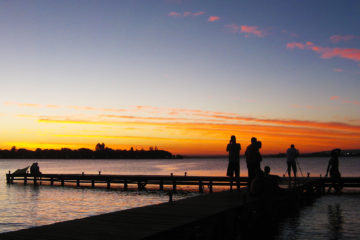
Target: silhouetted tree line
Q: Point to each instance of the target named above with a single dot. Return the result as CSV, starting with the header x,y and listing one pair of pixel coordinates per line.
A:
x,y
101,152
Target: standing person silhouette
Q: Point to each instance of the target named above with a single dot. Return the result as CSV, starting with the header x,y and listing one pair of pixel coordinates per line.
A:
x,y
291,154
333,168
234,157
253,159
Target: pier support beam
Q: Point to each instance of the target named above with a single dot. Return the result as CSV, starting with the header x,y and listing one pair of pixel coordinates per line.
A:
x,y
211,186
125,185
201,187
51,181
108,184
25,180
62,182
78,182
174,186
92,183
161,187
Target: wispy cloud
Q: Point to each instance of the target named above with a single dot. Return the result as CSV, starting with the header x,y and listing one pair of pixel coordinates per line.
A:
x,y
343,38
213,18
289,33
246,30
338,70
344,100
185,14
327,52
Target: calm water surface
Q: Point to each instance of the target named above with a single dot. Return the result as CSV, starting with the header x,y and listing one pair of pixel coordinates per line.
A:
x,y
28,206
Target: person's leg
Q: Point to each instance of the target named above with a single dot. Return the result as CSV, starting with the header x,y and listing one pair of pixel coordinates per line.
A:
x,y
289,169
294,169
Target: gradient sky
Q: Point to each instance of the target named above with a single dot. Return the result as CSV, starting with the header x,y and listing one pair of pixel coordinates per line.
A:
x,y
183,75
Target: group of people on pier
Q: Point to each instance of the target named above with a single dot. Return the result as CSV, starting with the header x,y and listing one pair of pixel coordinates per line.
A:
x,y
253,159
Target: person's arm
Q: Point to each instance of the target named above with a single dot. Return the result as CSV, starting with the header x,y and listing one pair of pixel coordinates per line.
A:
x,y
227,147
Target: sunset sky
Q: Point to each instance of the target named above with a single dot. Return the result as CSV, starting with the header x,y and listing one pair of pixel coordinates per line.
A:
x,y
183,75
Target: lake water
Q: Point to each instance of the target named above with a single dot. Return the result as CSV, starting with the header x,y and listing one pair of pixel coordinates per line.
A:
x,y
27,206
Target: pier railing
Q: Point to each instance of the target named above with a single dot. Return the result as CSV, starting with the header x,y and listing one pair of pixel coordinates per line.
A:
x,y
162,182
140,181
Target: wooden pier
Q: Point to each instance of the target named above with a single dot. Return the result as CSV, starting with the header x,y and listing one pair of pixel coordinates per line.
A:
x,y
139,182
162,182
220,215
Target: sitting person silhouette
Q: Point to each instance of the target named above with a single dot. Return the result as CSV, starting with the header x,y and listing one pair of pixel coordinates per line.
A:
x,y
35,170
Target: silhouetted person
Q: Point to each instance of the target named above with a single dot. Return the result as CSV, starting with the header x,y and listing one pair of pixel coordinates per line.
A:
x,y
274,179
333,168
253,159
291,154
35,170
234,157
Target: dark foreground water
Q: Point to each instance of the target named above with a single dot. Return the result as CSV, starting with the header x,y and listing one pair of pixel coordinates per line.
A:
x,y
330,217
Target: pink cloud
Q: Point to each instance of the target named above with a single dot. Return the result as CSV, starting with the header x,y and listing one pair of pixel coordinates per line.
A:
x,y
295,45
338,70
326,52
213,18
174,14
185,14
198,13
342,38
344,100
289,33
247,30
252,30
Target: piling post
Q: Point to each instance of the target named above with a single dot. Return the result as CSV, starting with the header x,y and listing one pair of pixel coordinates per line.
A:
x,y
161,187
211,186
201,187
174,186
92,183
25,179
170,197
51,181
125,185
108,183
231,185
62,181
78,182
35,180
8,178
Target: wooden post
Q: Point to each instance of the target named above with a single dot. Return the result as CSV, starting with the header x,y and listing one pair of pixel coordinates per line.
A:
x,y
25,179
62,181
8,178
92,183
12,178
78,182
108,184
201,187
52,181
161,188
231,185
211,186
174,186
35,180
125,185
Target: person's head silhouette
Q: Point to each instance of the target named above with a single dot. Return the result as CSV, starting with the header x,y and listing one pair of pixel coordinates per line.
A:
x,y
253,140
233,139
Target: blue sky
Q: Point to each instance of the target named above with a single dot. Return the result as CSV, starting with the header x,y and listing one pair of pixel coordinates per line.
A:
x,y
167,54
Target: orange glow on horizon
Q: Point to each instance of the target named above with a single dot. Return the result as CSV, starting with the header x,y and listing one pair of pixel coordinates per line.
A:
x,y
180,131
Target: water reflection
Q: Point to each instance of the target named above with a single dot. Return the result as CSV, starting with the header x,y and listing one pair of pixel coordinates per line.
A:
x,y
336,220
